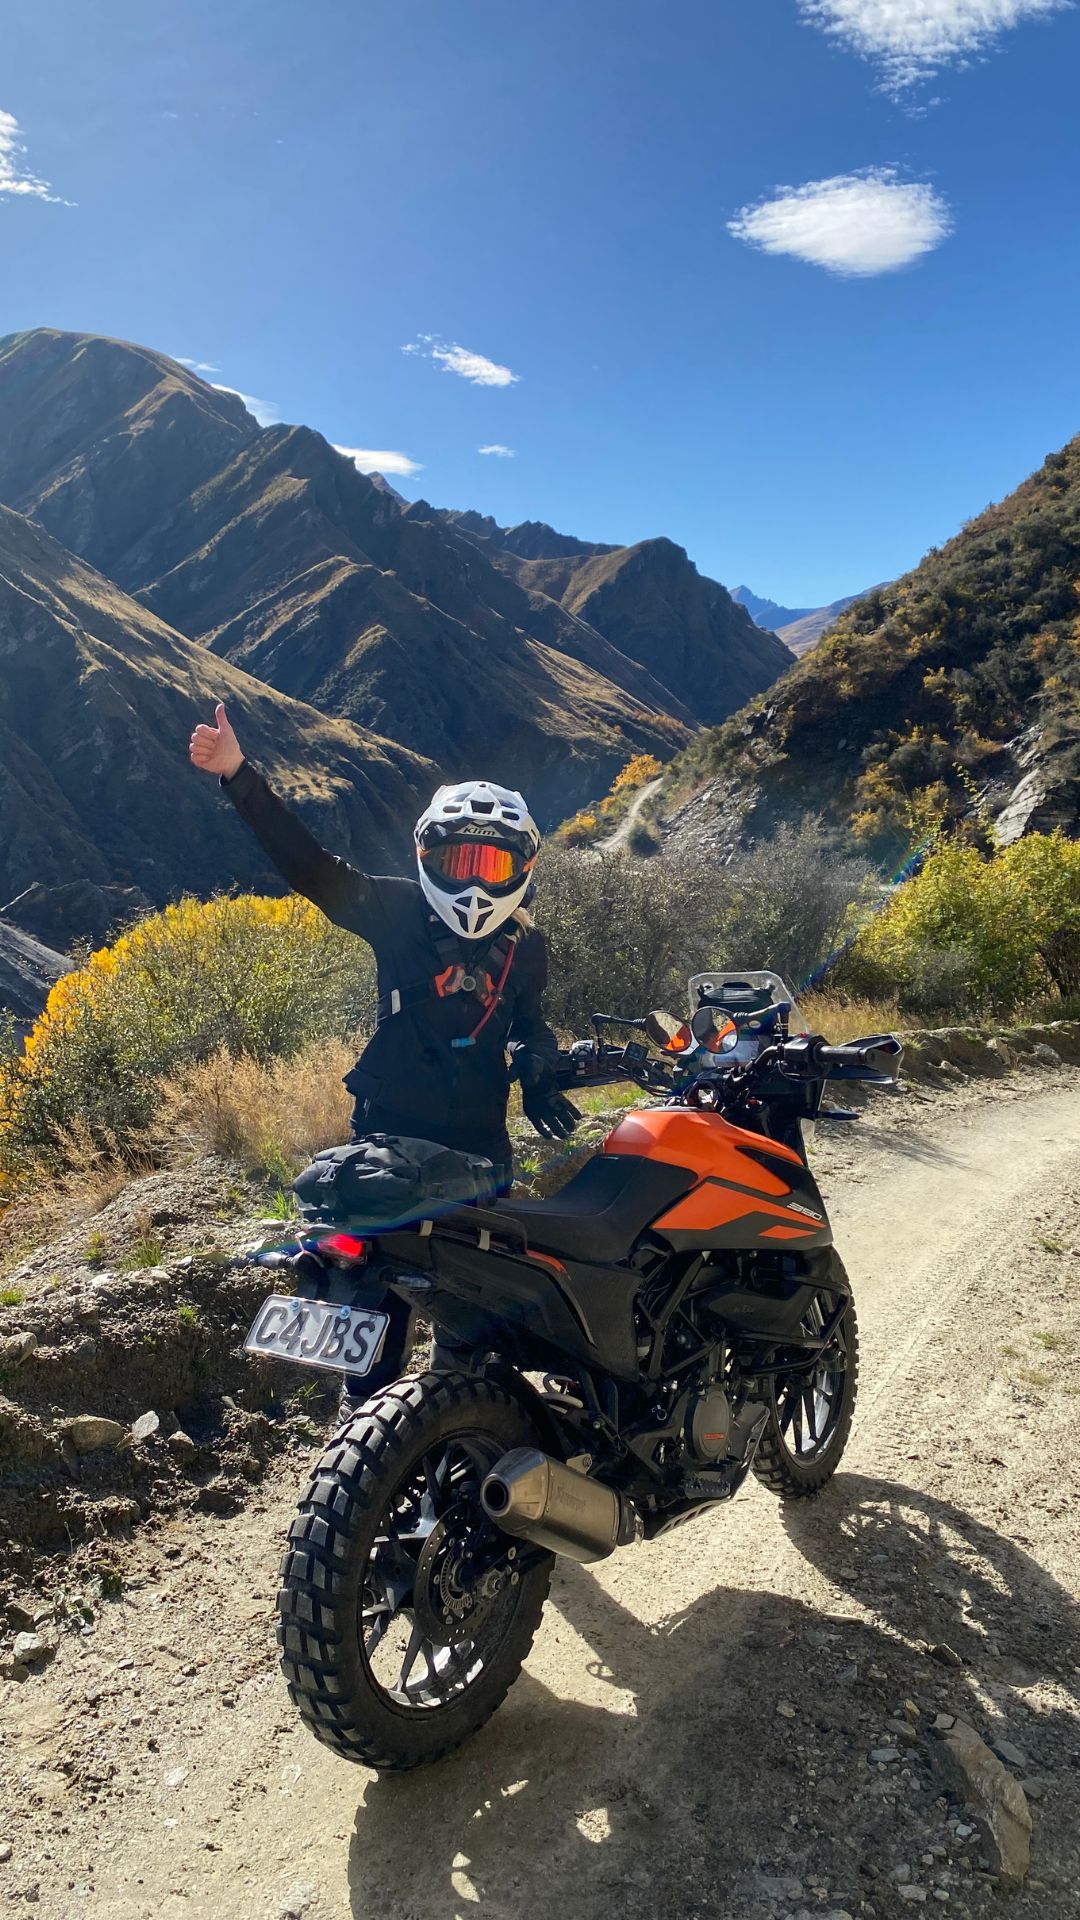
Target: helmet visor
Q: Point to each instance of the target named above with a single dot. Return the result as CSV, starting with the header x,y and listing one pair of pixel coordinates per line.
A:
x,y
459,861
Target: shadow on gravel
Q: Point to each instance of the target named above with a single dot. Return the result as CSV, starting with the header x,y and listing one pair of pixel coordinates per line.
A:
x,y
934,1573
741,1764
895,1143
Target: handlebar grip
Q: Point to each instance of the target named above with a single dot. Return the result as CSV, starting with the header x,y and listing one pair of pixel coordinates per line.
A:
x,y
875,1058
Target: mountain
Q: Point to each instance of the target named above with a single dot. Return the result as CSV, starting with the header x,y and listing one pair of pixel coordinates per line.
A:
x,y
802,634
97,701
27,971
768,613
266,546
957,684
648,600
799,629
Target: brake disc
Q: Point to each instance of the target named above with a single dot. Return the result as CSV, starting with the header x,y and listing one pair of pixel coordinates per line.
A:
x,y
448,1604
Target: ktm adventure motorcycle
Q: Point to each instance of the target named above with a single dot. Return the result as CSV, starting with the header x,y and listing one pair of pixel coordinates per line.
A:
x,y
673,1319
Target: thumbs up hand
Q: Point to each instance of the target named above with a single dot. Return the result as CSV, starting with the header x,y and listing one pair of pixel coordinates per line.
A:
x,y
216,749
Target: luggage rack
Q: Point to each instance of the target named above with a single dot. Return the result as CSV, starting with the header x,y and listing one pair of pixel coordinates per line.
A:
x,y
475,1226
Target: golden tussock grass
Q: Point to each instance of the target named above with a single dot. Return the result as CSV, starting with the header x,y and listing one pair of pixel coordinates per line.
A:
x,y
94,1173
270,1117
840,1017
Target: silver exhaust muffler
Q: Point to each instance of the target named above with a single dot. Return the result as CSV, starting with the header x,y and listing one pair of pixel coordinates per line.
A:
x,y
533,1497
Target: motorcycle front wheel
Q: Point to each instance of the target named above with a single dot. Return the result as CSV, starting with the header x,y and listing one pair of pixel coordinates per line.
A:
x,y
811,1412
404,1615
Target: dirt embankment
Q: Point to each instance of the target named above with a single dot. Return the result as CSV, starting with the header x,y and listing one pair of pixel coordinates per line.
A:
x,y
124,1392
735,1723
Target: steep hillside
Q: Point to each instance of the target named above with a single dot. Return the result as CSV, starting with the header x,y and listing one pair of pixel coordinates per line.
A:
x,y
351,640
650,602
268,546
97,700
957,684
100,441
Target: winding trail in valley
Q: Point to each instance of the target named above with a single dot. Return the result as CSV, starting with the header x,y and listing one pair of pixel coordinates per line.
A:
x,y
625,828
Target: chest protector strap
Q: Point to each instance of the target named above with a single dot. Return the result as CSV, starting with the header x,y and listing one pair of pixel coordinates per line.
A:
x,y
484,979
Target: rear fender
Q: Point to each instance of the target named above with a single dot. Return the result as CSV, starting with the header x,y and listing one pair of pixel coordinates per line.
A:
x,y
552,1433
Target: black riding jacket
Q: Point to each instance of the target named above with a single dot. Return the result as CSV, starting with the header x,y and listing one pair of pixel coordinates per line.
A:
x,y
409,1078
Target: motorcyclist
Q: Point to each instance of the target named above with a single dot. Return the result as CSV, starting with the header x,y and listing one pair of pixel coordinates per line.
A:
x,y
461,970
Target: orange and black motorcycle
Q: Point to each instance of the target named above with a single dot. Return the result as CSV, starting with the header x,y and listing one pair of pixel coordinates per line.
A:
x,y
674,1318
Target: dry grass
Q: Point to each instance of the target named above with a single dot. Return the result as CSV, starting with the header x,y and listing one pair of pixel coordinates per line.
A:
x,y
95,1173
840,1017
271,1118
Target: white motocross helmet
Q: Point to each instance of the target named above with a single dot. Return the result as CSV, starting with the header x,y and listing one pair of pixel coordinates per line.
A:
x,y
476,846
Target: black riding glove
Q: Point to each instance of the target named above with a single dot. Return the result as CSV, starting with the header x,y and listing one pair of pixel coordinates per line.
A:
x,y
550,1112
528,1067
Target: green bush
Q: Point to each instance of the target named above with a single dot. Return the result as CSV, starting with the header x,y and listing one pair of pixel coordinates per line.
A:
x,y
984,933
624,934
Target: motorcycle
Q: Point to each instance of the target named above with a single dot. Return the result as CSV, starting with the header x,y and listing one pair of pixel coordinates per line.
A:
x,y
673,1319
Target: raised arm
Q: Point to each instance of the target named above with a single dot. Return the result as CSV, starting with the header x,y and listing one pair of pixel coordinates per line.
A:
x,y
347,896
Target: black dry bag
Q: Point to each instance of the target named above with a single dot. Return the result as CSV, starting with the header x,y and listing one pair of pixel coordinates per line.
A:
x,y
387,1180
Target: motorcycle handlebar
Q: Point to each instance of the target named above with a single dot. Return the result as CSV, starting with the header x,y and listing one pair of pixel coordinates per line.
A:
x,y
876,1058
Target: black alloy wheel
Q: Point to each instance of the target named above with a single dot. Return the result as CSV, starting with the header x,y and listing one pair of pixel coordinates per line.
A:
x,y
404,1614
811,1412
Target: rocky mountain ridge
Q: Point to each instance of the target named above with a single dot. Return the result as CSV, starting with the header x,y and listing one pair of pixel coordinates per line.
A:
x,y
648,600
265,545
798,628
97,700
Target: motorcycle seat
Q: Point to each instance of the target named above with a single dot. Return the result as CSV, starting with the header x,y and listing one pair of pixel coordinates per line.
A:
x,y
602,1210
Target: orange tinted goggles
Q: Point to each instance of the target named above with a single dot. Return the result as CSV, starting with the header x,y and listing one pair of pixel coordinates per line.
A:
x,y
476,860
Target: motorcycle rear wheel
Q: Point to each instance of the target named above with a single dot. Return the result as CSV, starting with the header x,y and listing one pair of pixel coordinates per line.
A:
x,y
403,1618
811,1414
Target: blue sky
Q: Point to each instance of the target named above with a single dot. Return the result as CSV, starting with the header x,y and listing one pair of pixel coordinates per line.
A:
x,y
584,195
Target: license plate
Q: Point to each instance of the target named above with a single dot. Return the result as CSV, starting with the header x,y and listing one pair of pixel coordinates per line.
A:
x,y
316,1333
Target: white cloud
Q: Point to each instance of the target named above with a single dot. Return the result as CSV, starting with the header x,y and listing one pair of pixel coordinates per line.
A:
x,y
912,39
266,412
380,460
474,367
198,366
855,223
500,452
15,176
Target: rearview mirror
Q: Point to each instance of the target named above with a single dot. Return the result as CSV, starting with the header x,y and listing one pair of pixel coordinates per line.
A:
x,y
714,1030
670,1035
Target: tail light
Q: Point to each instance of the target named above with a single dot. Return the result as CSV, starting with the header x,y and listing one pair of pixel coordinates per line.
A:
x,y
344,1249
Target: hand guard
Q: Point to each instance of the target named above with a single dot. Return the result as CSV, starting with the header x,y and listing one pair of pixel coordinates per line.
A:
x,y
550,1112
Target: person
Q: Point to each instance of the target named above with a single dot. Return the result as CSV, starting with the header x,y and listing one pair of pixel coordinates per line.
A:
x,y
461,972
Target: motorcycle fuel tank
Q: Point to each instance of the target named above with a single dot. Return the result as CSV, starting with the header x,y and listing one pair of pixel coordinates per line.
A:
x,y
750,1192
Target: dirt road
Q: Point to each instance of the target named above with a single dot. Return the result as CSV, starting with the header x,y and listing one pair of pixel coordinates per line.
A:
x,y
622,833
692,1735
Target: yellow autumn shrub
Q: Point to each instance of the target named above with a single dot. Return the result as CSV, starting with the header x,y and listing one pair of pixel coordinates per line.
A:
x,y
261,977
637,773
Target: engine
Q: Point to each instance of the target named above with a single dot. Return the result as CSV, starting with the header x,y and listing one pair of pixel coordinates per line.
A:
x,y
708,1423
